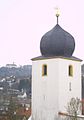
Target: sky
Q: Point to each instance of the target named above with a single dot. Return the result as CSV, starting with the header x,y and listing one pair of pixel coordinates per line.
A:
x,y
24,22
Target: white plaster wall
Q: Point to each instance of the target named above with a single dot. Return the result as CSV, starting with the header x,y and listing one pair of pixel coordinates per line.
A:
x,y
45,89
50,93
64,93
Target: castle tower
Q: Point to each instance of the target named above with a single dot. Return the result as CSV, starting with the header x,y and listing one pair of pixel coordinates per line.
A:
x,y
56,75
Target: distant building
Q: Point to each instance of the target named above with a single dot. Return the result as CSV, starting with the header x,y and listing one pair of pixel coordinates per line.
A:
x,y
56,75
1,88
11,65
24,95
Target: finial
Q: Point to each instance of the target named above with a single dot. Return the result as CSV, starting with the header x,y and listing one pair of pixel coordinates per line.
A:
x,y
57,14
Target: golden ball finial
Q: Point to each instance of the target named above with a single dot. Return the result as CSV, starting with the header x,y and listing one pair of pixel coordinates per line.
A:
x,y
57,12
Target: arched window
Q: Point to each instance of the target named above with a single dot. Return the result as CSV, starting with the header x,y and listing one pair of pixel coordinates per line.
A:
x,y
44,70
70,70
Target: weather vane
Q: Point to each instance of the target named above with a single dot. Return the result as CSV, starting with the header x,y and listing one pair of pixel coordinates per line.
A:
x,y
57,14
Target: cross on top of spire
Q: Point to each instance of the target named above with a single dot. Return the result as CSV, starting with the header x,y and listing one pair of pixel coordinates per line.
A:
x,y
57,14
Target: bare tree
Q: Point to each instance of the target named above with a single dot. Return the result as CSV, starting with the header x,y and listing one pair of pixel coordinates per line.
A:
x,y
74,108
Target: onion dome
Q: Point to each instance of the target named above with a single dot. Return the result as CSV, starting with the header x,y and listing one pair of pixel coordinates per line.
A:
x,y
57,42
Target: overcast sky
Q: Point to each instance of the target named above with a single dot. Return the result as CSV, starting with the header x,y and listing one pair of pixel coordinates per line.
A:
x,y
23,23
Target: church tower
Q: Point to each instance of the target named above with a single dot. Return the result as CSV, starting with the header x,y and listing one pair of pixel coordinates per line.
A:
x,y
56,75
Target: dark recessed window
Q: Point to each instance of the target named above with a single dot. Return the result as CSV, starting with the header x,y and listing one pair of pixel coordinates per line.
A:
x,y
44,70
70,70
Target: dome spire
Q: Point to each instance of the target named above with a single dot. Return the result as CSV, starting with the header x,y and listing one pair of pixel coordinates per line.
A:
x,y
57,14
57,42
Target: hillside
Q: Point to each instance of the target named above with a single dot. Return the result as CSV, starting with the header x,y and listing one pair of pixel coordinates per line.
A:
x,y
23,71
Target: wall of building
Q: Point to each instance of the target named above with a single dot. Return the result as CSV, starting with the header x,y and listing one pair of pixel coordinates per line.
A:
x,y
69,86
51,93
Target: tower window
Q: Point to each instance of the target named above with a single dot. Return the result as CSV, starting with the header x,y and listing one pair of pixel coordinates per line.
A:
x,y
44,70
70,70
